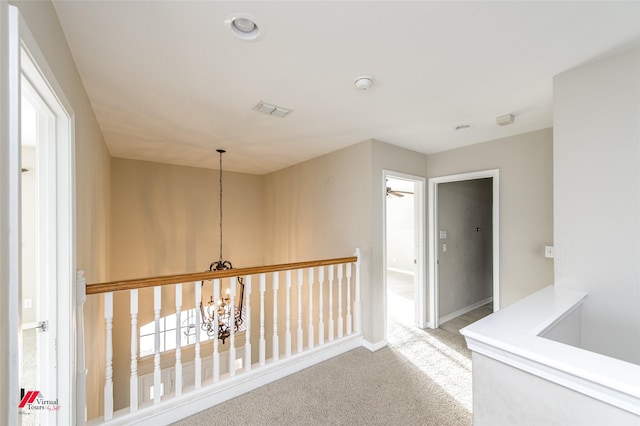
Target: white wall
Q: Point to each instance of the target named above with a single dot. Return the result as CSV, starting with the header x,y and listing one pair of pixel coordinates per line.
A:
x,y
400,227
536,402
29,236
597,198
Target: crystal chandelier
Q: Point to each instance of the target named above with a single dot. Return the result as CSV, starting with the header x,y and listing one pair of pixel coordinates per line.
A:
x,y
223,305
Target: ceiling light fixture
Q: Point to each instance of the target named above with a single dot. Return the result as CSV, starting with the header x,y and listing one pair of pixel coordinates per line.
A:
x,y
244,26
221,315
463,127
363,82
273,110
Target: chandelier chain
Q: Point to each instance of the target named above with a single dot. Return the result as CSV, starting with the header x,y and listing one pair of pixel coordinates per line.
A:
x,y
221,151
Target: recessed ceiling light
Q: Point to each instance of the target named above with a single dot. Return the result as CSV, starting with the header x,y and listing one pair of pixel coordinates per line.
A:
x,y
244,26
463,127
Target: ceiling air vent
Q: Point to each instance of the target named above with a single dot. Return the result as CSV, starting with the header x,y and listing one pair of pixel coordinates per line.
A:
x,y
273,110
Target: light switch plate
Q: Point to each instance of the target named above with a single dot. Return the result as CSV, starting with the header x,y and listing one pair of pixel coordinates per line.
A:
x,y
548,252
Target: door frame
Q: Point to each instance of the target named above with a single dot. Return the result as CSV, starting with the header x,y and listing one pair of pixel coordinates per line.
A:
x,y
20,41
10,175
434,237
419,282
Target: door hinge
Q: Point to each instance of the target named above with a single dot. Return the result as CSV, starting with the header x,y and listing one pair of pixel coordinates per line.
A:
x,y
43,326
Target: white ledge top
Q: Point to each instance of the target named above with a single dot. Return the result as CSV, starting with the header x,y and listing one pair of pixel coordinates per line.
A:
x,y
512,336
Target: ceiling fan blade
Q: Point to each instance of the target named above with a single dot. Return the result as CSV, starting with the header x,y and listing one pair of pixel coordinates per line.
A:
x,y
397,193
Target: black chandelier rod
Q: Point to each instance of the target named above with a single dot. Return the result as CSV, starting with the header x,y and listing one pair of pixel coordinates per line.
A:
x,y
221,264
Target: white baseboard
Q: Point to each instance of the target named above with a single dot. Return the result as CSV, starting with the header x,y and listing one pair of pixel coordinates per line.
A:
x,y
193,401
464,310
373,347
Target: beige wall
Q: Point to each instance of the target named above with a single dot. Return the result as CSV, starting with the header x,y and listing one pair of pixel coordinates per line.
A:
x,y
526,204
321,209
328,206
92,178
165,220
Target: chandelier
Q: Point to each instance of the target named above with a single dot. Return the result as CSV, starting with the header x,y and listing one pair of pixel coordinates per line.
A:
x,y
223,306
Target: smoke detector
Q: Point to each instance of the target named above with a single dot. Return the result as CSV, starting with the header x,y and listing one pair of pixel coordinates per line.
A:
x,y
505,120
363,82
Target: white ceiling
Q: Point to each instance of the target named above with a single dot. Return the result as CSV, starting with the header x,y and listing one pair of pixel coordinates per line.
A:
x,y
170,83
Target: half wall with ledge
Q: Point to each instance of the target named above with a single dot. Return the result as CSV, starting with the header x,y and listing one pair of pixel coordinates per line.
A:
x,y
529,369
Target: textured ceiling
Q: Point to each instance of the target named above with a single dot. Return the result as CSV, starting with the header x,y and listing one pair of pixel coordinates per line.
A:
x,y
170,83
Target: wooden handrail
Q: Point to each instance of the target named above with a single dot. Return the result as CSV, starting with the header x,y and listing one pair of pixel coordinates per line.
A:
x,y
108,287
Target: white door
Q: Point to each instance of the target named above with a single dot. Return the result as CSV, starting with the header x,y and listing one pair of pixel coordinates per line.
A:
x,y
24,71
39,283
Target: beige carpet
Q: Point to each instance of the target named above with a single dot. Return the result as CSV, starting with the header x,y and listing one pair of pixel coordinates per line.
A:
x,y
421,378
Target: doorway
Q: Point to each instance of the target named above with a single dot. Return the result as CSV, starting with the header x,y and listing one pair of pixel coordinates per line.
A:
x,y
404,224
463,244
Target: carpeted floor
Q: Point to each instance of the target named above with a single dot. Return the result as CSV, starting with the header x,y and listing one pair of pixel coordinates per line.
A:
x,y
423,377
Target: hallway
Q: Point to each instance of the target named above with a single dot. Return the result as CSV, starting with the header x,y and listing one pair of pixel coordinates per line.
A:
x,y
441,354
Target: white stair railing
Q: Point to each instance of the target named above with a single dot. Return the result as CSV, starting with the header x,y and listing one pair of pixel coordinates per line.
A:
x,y
223,362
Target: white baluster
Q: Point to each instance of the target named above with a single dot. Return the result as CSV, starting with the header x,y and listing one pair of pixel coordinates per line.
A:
x,y
247,322
198,361
340,319
108,374
157,378
287,322
311,328
276,341
331,323
81,369
216,318
357,307
262,342
178,387
349,324
133,381
232,326
320,306
299,336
